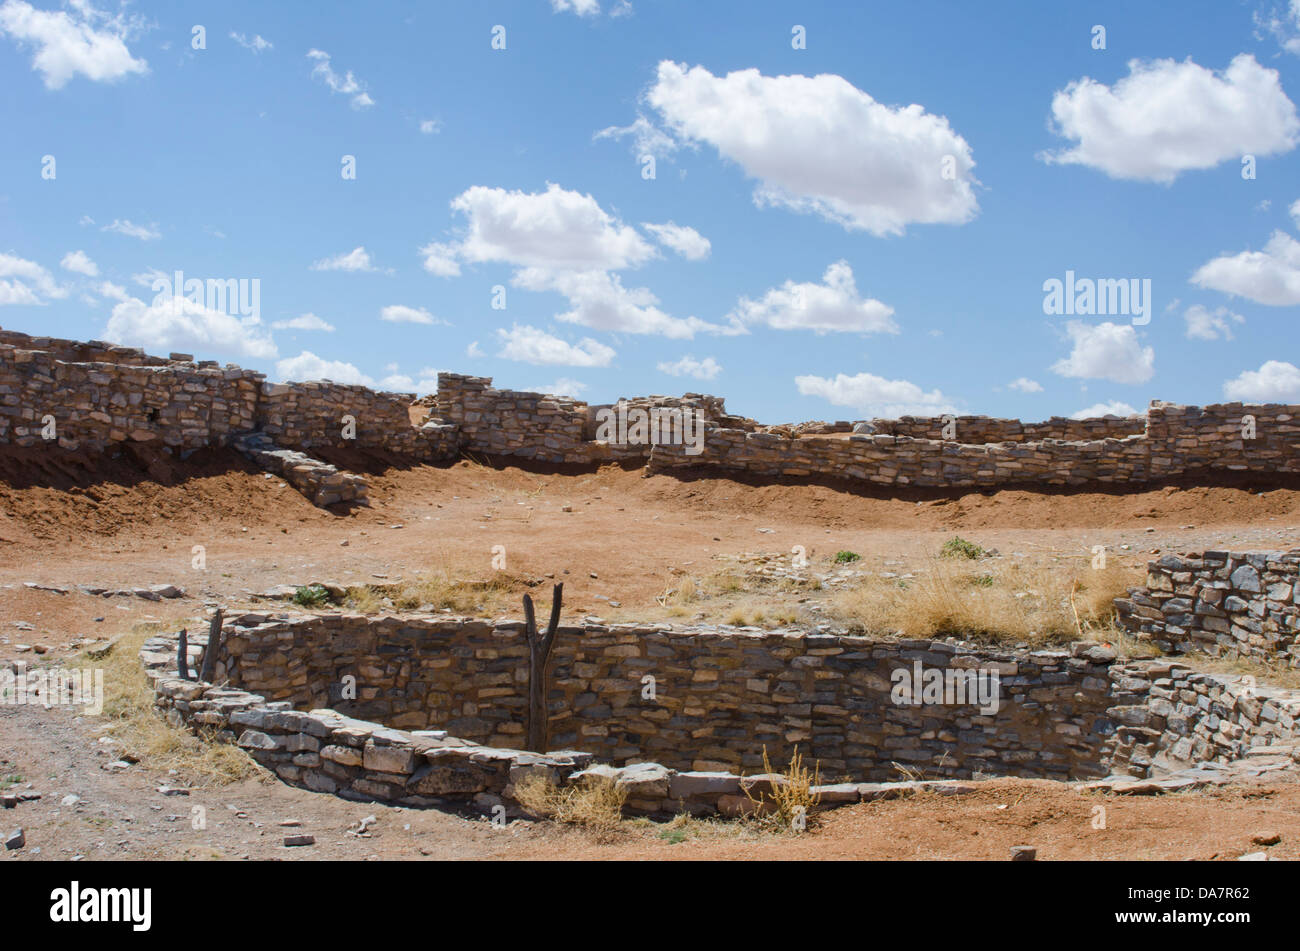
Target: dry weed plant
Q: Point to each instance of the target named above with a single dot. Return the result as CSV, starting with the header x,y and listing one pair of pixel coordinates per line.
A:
x,y
1015,601
142,731
594,804
444,585
788,805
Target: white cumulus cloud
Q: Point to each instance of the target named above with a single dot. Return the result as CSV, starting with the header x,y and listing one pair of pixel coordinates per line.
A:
x,y
1165,118
178,323
306,366
683,239
1203,324
1106,351
401,314
600,301
531,345
819,144
1025,385
556,228
67,43
26,282
1113,408
705,369
80,263
1274,382
875,396
832,306
1271,276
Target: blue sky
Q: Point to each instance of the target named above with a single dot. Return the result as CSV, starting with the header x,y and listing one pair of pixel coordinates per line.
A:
x,y
861,226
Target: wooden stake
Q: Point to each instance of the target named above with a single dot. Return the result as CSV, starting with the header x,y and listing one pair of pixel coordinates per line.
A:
x,y
209,668
183,655
539,655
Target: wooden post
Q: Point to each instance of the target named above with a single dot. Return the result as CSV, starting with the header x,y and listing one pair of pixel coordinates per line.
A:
x,y
539,655
183,655
208,670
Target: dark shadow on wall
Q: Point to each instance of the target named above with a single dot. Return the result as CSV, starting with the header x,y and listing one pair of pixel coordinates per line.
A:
x,y
1203,478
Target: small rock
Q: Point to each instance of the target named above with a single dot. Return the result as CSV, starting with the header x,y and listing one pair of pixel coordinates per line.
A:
x,y
1266,838
173,791
291,841
1253,857
1023,853
70,800
15,841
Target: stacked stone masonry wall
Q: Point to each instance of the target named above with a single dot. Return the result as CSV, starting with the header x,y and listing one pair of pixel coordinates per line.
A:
x,y
1228,604
1169,716
99,394
1064,714
719,698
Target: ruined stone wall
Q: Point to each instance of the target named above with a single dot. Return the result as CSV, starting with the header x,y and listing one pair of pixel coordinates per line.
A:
x,y
313,414
122,395
719,697
94,404
506,422
1170,716
986,429
901,461
1229,604
93,351
1198,437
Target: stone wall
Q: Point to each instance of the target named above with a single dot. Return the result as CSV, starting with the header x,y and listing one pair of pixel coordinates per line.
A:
x,y
506,422
1230,604
987,429
1169,716
319,481
902,461
1187,438
93,404
100,394
92,351
719,696
327,752
311,415
1064,715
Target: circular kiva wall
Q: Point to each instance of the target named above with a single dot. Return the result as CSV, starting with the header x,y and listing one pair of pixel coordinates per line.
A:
x,y
695,699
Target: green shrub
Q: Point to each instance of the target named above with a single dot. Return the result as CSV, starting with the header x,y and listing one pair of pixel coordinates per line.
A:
x,y
843,557
958,547
311,596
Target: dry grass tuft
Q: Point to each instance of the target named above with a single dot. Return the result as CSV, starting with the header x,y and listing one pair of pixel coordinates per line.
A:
x,y
458,586
1038,604
594,804
144,734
